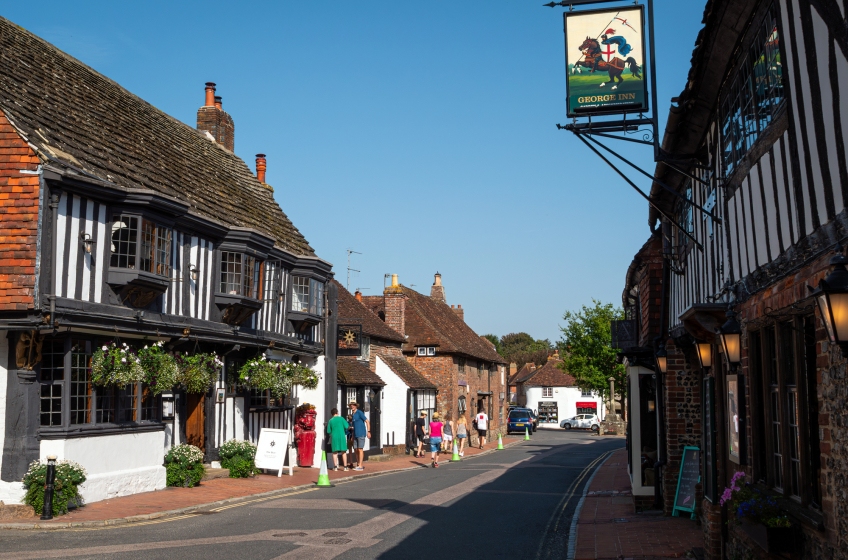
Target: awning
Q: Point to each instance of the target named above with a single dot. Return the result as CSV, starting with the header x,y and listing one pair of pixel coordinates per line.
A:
x,y
591,404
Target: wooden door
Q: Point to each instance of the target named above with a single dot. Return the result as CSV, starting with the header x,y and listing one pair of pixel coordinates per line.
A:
x,y
195,420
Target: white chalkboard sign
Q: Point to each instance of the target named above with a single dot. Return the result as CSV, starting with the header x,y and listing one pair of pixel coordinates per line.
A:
x,y
273,450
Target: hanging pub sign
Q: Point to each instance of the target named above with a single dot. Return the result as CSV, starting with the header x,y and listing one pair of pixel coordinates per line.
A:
x,y
604,60
349,340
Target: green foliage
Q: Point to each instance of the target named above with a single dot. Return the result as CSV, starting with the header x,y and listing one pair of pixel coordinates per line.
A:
x,y
198,371
69,476
494,340
115,365
160,368
184,466
278,377
521,348
587,350
238,456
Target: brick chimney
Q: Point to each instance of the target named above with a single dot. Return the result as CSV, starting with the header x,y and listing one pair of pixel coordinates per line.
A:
x,y
358,295
261,165
437,291
213,119
394,306
460,312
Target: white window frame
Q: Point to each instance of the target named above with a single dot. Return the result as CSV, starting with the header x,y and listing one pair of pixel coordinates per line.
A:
x,y
547,392
365,347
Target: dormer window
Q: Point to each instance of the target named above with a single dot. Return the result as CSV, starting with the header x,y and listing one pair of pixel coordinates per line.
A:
x,y
426,350
139,244
239,275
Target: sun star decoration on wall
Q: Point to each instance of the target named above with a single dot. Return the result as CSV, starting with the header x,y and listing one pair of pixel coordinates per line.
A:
x,y
349,337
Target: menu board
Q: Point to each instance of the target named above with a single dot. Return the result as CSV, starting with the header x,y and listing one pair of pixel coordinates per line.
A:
x,y
690,475
272,450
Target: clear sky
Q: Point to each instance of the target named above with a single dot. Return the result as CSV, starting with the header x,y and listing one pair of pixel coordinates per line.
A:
x,y
421,134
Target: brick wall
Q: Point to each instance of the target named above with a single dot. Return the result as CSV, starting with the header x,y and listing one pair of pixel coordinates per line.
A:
x,y
219,124
394,306
383,348
18,220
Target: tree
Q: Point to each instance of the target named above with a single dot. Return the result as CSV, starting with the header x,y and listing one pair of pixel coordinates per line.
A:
x,y
521,348
587,349
494,340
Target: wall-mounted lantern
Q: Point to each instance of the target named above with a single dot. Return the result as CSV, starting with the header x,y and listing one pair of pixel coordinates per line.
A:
x,y
86,241
705,354
832,298
662,359
731,339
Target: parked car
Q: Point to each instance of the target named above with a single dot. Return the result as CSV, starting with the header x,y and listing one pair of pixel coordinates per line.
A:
x,y
519,420
585,421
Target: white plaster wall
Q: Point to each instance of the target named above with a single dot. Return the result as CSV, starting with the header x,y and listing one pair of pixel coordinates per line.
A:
x,y
316,397
566,399
393,406
117,465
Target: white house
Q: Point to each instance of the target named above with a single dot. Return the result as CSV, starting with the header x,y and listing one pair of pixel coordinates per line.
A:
x,y
554,395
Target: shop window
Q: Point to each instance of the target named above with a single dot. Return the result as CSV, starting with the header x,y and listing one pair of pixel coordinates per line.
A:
x,y
754,91
141,244
65,380
784,414
239,275
547,392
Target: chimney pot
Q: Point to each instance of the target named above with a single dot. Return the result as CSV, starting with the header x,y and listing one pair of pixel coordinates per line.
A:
x,y
218,102
260,167
358,295
210,94
438,280
395,281
459,306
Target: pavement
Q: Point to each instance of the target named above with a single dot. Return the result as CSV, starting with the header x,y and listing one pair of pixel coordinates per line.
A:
x,y
221,491
609,527
515,503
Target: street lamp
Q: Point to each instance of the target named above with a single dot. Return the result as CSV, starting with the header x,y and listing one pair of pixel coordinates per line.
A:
x,y
832,297
731,339
705,354
662,358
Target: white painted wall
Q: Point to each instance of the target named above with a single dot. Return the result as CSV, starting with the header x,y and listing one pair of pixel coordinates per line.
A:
x,y
316,397
566,399
117,465
394,405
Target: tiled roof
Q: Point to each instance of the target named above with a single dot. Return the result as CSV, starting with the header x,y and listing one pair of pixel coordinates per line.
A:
x,y
81,121
352,311
550,375
522,374
407,373
353,372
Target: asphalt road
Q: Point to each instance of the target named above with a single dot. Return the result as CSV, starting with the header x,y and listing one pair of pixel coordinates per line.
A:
x,y
516,503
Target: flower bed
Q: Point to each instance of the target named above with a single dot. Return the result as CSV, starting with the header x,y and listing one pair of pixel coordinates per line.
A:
x,y
184,466
239,457
69,475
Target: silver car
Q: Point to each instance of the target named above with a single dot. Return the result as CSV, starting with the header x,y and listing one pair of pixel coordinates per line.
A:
x,y
584,421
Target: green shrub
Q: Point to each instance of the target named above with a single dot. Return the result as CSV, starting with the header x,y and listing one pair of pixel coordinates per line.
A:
x,y
184,466
69,476
238,456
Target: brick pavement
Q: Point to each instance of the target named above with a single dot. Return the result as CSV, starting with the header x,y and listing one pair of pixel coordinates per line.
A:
x,y
609,527
176,500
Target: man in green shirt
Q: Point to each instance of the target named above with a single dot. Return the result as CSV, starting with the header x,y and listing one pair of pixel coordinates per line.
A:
x,y
337,429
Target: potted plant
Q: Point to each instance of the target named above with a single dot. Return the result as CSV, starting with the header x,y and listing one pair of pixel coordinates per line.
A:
x,y
69,475
160,368
758,515
198,371
115,365
184,466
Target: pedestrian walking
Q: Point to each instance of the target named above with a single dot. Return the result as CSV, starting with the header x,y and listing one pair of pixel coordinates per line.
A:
x,y
447,434
482,421
361,432
462,433
420,433
436,426
337,429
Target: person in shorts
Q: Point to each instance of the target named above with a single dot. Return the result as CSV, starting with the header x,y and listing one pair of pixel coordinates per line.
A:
x,y
482,424
436,426
361,432
420,433
447,434
462,433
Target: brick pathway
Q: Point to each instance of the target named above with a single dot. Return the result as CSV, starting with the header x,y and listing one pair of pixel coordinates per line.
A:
x,y
163,502
609,526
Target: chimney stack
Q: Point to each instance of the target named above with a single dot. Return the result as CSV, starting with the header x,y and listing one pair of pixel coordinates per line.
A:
x,y
513,368
460,312
437,291
210,94
219,102
213,119
394,306
260,167
358,295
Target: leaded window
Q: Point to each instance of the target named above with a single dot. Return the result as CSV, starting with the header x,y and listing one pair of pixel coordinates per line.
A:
x,y
307,295
52,379
239,274
140,244
753,93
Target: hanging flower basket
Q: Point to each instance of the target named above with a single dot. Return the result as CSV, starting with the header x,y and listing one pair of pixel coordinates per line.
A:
x,y
160,368
116,365
198,371
302,375
278,377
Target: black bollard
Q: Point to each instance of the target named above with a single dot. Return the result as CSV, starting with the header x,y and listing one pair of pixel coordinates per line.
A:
x,y
47,511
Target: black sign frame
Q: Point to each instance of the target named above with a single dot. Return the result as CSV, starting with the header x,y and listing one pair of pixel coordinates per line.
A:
x,y
343,329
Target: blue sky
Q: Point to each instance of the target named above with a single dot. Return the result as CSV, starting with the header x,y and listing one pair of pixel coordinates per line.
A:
x,y
420,134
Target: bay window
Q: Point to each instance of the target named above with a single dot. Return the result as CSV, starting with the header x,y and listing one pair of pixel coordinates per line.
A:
x,y
140,244
239,275
307,295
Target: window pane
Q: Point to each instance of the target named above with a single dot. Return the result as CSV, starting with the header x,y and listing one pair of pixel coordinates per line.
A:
x,y
106,400
124,239
231,270
51,405
149,405
52,360
787,353
163,251
145,253
80,398
300,294
777,456
250,277
794,443
316,306
127,396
